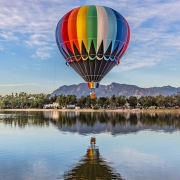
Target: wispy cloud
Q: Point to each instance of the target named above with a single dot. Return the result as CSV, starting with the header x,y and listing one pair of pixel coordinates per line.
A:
x,y
173,69
54,81
14,85
25,67
8,36
34,22
1,48
43,53
154,26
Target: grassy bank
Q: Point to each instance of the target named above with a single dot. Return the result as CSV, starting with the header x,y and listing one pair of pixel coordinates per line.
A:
x,y
101,110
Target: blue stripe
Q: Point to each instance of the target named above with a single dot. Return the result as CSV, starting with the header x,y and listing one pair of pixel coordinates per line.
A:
x,y
112,28
59,37
59,34
120,27
125,32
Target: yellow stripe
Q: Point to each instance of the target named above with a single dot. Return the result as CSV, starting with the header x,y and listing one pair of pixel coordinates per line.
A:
x,y
82,27
85,58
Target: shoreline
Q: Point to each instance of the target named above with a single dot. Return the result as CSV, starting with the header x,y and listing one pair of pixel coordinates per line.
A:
x,y
99,110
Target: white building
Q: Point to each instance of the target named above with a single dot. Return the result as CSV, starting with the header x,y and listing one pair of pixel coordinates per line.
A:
x,y
53,106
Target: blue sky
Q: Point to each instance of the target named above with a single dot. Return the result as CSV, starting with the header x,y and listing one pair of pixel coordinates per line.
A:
x,y
30,60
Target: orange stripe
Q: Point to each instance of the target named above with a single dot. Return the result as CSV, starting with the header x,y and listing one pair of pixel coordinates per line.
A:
x,y
72,28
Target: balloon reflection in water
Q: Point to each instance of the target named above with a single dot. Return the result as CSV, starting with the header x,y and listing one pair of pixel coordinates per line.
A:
x,y
92,167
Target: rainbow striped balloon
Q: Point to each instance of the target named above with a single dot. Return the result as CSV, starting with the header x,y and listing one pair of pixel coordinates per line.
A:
x,y
92,39
92,32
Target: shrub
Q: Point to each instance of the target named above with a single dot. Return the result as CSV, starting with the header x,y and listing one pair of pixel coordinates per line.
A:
x,y
95,107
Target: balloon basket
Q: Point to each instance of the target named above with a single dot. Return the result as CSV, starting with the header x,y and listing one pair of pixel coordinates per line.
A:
x,y
92,95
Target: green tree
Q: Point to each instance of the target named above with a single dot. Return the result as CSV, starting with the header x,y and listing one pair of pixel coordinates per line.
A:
x,y
107,103
101,101
160,100
133,101
81,101
71,99
61,99
113,101
121,100
147,101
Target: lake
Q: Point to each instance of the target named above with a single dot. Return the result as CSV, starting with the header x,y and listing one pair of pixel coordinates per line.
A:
x,y
94,145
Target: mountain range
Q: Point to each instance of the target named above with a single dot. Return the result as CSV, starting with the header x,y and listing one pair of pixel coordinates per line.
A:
x,y
115,89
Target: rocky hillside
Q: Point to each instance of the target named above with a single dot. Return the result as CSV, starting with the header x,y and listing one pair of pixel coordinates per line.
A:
x,y
116,89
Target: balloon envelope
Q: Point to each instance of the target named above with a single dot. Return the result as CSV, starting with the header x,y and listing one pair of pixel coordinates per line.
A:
x,y
92,39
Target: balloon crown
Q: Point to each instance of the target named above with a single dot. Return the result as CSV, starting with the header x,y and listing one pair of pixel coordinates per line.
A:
x,y
94,33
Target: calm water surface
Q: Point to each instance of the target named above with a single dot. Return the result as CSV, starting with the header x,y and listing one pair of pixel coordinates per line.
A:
x,y
56,145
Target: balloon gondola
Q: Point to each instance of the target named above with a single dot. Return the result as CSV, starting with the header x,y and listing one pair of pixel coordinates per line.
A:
x,y
92,40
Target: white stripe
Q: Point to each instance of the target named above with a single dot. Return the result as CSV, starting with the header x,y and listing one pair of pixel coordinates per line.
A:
x,y
102,26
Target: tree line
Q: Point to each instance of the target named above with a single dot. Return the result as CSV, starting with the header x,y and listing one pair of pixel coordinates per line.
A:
x,y
24,100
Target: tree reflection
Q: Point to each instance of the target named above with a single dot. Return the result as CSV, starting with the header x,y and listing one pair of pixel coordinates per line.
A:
x,y
161,120
23,119
91,167
90,122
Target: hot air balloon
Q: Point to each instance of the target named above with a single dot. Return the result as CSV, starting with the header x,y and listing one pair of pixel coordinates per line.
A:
x,y
92,39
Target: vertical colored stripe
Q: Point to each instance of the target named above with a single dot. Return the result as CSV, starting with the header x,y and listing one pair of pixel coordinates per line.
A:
x,y
125,32
102,22
92,26
124,36
82,27
120,28
128,36
88,85
72,28
112,28
127,39
59,32
59,37
64,30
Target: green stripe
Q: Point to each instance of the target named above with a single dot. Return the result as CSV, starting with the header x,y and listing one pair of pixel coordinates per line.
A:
x,y
92,58
92,26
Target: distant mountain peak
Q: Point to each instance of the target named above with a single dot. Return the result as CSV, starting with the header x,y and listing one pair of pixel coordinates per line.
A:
x,y
115,89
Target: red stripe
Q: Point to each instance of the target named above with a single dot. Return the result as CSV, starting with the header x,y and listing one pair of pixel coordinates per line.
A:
x,y
127,40
64,29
